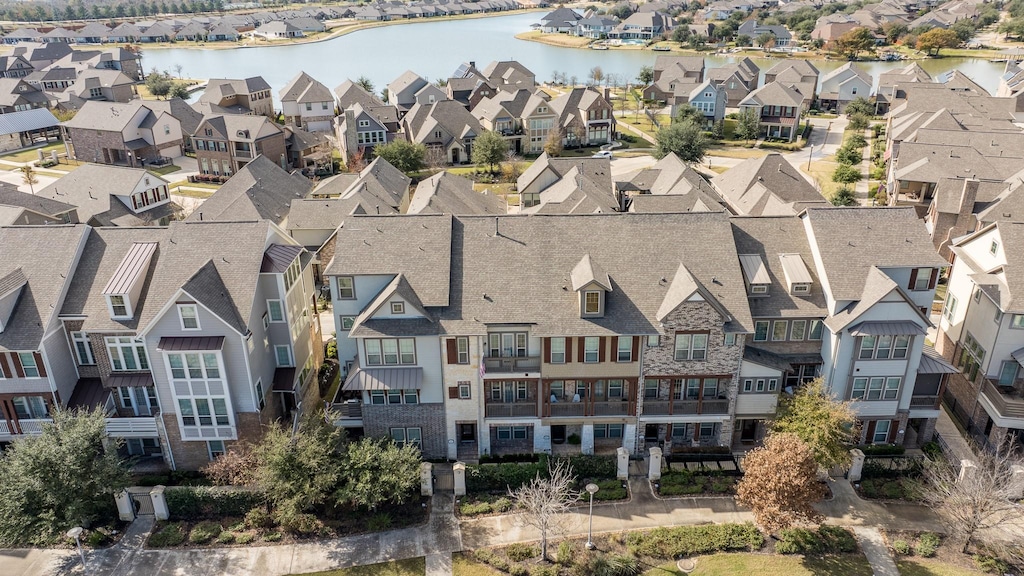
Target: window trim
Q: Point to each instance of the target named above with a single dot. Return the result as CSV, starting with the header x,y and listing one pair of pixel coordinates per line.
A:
x,y
270,311
349,320
82,337
767,330
397,308
125,303
587,351
351,289
214,454
468,388
628,350
462,356
690,350
181,316
134,345
552,352
586,302
418,442
379,343
776,324
277,356
261,395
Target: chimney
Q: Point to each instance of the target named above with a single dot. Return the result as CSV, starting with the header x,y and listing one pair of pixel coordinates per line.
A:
x,y
968,196
472,63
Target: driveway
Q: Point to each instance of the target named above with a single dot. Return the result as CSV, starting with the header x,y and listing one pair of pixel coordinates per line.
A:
x,y
624,166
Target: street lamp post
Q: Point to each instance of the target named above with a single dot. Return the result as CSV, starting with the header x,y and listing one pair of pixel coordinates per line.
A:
x,y
76,533
592,489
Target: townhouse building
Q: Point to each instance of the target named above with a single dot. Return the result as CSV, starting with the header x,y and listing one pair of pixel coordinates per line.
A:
x,y
225,143
307,103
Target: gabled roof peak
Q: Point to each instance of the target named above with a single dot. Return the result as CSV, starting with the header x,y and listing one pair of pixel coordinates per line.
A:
x,y
588,272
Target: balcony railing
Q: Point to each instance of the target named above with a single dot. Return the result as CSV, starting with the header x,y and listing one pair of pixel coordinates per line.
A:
x,y
685,407
5,430
1009,405
510,410
512,365
613,408
134,427
568,409
348,409
924,401
33,426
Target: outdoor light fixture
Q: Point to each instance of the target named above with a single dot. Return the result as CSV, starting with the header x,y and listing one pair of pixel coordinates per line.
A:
x,y
592,488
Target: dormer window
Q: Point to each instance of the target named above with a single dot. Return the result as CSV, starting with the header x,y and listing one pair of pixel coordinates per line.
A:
x,y
798,278
118,306
592,302
758,288
591,283
398,307
993,248
755,273
189,316
801,288
125,285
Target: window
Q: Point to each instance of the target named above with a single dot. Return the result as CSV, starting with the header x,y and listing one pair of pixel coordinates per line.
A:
x,y
922,279
83,348
971,357
189,316
275,309
801,288
592,302
730,339
625,349
30,407
462,350
691,346
309,106
798,330
710,389
758,288
398,396
615,388
126,354
950,309
1008,372
139,399
261,399
283,355
653,341
406,436
364,123
506,345
707,430
591,349
608,430
815,333
465,391
761,331
876,388
323,105
558,350
693,388
892,388
651,388
512,432
1017,322
779,329
390,351
118,306
881,434
867,347
347,322
398,307
215,448
993,248
346,287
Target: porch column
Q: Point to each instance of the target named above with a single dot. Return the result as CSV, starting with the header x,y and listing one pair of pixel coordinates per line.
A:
x,y
459,472
426,479
587,439
483,437
542,438
159,503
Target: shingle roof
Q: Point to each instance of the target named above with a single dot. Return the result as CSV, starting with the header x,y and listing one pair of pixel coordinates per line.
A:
x,y
304,88
11,196
446,193
259,190
767,186
92,187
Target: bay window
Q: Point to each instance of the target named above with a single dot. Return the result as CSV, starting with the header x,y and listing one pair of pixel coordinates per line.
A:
x,y
126,354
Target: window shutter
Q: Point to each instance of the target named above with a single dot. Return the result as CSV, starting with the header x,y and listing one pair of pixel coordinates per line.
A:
x,y
568,350
602,348
581,350
870,433
913,278
893,428
453,351
4,367
668,432
39,364
636,349
547,350
934,279
453,391
17,365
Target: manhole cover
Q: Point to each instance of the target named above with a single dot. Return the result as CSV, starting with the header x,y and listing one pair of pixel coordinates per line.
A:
x,y
686,564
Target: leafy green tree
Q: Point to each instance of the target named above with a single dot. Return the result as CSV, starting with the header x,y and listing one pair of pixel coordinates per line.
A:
x,y
849,155
851,44
159,83
860,105
62,478
846,174
894,31
489,148
378,471
300,471
858,121
818,419
743,40
178,90
365,83
1012,27
646,75
936,39
843,197
748,124
684,139
402,154
687,112
964,29
681,34
766,40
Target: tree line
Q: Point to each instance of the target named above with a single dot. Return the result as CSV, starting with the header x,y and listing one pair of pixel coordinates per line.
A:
x,y
78,10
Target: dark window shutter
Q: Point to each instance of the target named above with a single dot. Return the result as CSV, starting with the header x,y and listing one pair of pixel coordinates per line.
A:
x,y
934,279
453,391
568,350
636,349
453,351
913,279
668,432
602,348
16,361
869,434
893,428
39,364
4,367
547,350
581,356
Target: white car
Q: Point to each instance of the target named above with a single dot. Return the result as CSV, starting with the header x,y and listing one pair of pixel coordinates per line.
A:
x,y
603,154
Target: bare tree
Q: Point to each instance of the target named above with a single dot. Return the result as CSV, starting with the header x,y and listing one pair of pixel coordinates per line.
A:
x,y
980,503
177,70
28,176
780,482
356,160
544,502
436,159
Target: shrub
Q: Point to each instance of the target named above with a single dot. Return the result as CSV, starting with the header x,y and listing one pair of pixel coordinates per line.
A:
x,y
152,480
856,140
846,174
611,565
901,547
226,538
96,539
499,563
932,450
484,555
245,538
586,466
475,508
502,477
196,503
258,518
521,552
824,540
204,532
272,537
610,490
680,541
332,349
849,155
518,570
566,553
379,522
991,565
574,439
927,544
881,450
302,524
237,527
543,571
170,535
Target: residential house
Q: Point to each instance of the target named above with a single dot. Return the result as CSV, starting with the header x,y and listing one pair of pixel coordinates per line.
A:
x,y
981,331
158,32
226,142
113,196
767,186
17,95
674,78
585,118
309,152
124,134
260,190
781,37
779,107
671,185
248,96
444,125
709,98
960,206
447,193
828,31
307,103
40,54
567,186
643,26
842,86
102,85
14,67
800,75
560,20
737,79
277,30
402,91
595,27
379,186
350,93
361,127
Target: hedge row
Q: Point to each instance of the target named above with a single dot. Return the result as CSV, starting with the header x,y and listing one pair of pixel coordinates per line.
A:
x,y
669,543
510,476
824,540
195,503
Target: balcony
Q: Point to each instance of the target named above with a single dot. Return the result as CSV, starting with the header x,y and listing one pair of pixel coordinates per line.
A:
x,y
612,408
511,365
510,410
26,426
563,409
685,407
928,402
1008,402
349,413
132,427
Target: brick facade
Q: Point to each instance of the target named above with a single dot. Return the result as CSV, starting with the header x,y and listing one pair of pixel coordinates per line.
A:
x,y
193,455
273,147
108,147
378,419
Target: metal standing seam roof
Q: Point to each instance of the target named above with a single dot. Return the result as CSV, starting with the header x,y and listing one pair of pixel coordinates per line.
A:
x,y
27,120
754,269
140,379
279,256
873,328
190,343
933,363
131,268
385,379
1018,355
795,269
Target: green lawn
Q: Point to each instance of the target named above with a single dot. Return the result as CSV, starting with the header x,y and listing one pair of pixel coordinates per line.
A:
x,y
164,170
930,567
770,565
463,565
411,567
33,153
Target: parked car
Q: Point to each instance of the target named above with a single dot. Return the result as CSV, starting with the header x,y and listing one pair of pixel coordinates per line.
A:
x,y
603,154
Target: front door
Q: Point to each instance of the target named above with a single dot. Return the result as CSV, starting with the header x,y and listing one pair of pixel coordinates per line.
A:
x,y
467,433
558,434
748,431
651,433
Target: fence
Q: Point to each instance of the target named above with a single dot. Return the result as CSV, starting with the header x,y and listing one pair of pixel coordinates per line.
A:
x,y
726,464
893,466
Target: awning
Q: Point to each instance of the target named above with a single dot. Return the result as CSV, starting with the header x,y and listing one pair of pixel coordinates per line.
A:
x,y
887,329
136,144
384,379
933,363
1018,355
284,380
190,344
117,380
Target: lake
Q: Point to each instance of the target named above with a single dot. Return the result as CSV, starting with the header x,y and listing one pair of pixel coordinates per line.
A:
x,y
434,49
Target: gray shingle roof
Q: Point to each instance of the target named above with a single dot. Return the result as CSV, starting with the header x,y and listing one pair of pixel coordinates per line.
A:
x,y
92,187
767,186
447,193
259,190
11,196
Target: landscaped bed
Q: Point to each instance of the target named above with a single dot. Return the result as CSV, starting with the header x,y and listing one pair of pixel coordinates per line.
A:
x,y
690,483
410,567
928,554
